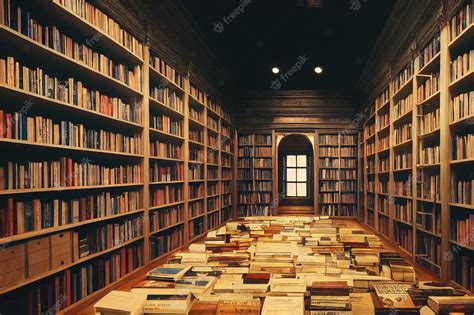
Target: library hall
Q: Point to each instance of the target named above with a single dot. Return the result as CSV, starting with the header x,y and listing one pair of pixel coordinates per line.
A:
x,y
255,157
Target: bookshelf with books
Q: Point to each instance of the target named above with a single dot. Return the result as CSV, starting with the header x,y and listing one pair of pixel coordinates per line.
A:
x,y
428,175
459,130
81,110
255,174
338,165
115,150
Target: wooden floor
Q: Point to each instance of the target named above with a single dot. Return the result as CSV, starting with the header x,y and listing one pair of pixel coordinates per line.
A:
x,y
87,306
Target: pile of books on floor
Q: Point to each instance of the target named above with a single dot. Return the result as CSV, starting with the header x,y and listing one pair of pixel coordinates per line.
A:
x,y
287,265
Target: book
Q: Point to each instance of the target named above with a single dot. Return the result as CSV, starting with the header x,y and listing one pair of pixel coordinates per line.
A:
x,y
168,272
283,305
118,302
441,304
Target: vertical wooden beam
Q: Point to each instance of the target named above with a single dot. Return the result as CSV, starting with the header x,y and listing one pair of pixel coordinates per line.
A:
x,y
186,162
146,153
445,148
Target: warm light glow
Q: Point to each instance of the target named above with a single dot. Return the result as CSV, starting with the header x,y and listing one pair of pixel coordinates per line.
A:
x,y
318,70
275,70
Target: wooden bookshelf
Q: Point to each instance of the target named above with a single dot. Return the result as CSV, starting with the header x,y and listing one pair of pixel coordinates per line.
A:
x,y
338,169
153,105
255,177
427,218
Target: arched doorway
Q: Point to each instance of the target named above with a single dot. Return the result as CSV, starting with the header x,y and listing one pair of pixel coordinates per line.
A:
x,y
295,169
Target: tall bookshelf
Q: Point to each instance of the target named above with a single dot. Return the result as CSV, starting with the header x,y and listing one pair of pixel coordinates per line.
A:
x,y
137,120
255,174
430,199
338,170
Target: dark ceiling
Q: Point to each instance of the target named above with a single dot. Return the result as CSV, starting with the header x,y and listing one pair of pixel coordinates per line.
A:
x,y
339,37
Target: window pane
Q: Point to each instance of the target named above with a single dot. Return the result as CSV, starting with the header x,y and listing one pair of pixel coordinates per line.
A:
x,y
301,175
291,189
291,174
301,190
291,160
301,160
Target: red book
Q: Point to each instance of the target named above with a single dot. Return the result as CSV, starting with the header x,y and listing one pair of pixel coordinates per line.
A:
x,y
67,291
70,179
123,262
8,124
130,259
2,124
57,295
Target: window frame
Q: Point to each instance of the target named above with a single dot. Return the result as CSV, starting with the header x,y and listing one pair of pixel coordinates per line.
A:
x,y
296,181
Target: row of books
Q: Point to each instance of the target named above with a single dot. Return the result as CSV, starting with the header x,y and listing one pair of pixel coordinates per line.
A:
x,y
383,97
42,130
429,155
384,164
403,187
462,106
383,204
166,242
384,225
461,66
263,140
196,227
196,172
21,216
65,172
161,196
463,147
429,248
262,162
246,140
260,174
212,188
196,208
102,21
328,151
428,218
166,150
429,122
429,52
168,97
329,162
370,166
196,155
403,133
227,187
430,187
383,120
403,106
167,71
263,152
212,204
196,135
212,123
462,190
404,211
20,19
163,218
167,124
212,173
166,173
67,287
70,91
88,241
404,75
370,148
403,160
384,143
196,190
196,114
348,152
369,130
329,174
197,94
403,235
428,88
462,20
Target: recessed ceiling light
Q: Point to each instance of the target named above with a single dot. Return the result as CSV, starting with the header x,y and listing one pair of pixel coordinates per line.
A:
x,y
275,70
318,70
